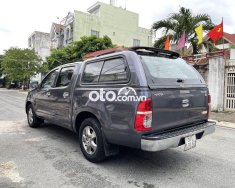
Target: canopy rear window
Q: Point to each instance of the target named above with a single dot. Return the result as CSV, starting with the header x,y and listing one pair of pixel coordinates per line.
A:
x,y
162,70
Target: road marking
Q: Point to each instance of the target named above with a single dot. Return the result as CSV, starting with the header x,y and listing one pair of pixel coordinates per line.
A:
x,y
11,127
9,170
36,139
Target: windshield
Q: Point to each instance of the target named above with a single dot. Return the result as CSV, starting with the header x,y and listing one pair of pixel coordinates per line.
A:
x,y
163,70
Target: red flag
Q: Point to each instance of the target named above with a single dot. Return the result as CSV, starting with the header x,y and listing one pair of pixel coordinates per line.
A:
x,y
167,43
217,32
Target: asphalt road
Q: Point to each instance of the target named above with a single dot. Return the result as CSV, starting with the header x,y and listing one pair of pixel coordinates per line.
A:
x,y
50,156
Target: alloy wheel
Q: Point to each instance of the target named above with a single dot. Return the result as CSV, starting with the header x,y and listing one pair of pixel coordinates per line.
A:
x,y
30,115
89,140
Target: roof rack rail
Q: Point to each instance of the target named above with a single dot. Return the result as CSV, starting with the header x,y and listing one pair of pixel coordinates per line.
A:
x,y
104,52
110,52
141,50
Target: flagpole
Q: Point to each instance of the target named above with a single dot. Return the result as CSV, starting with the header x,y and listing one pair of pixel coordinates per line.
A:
x,y
223,31
223,43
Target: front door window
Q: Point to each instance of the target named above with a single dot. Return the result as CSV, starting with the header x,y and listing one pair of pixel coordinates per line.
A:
x,y
49,81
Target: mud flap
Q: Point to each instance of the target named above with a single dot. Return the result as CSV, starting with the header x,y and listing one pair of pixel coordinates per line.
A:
x,y
109,149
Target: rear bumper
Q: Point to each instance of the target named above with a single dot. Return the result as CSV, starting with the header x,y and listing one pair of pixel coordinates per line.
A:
x,y
158,142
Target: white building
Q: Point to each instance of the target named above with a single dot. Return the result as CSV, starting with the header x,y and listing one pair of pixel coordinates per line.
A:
x,y
119,24
40,42
226,42
56,35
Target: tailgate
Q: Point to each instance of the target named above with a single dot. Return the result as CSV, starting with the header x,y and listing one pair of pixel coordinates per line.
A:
x,y
179,93
178,107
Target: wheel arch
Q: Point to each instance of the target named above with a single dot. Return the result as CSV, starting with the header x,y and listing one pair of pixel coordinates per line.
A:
x,y
27,104
81,117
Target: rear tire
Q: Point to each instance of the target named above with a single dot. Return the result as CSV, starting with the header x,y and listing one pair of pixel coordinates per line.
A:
x,y
33,120
91,141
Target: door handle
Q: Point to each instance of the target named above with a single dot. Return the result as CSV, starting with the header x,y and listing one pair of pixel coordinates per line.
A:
x,y
48,94
65,94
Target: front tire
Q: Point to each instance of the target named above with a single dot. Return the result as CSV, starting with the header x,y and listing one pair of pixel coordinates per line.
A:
x,y
33,120
91,141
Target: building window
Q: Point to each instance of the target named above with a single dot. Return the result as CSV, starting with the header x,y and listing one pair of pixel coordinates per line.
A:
x,y
96,33
29,43
136,42
67,35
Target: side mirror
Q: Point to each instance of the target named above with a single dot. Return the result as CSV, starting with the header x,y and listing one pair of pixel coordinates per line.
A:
x,y
34,85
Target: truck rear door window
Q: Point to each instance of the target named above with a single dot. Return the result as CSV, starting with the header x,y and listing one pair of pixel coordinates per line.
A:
x,y
92,72
114,70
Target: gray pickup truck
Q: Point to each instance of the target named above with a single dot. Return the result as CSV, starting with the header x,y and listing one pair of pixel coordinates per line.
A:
x,y
143,98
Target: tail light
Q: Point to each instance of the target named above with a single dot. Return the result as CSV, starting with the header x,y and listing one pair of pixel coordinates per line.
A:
x,y
143,118
209,106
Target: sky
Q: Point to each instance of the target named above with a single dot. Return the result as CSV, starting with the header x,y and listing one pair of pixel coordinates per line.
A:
x,y
19,18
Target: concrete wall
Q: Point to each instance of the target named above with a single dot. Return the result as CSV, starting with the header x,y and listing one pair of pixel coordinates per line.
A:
x,y
119,24
204,71
216,82
232,54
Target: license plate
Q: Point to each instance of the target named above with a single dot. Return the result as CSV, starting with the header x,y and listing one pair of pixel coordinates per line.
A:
x,y
190,142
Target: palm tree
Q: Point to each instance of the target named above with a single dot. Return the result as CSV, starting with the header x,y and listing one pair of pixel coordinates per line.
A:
x,y
177,23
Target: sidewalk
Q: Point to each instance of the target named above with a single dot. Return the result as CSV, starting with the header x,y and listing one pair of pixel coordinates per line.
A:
x,y
224,119
23,91
15,90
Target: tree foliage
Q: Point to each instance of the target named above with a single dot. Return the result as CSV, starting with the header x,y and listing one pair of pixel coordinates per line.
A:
x,y
76,50
20,64
1,71
183,21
